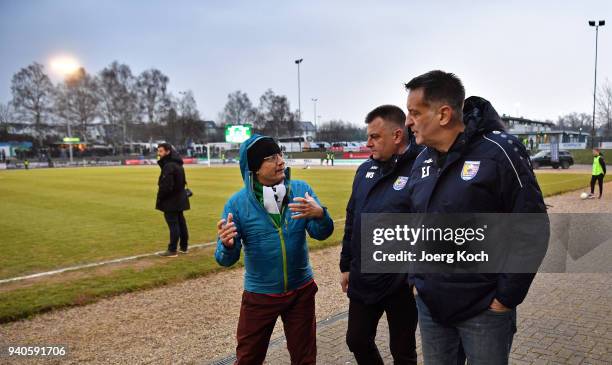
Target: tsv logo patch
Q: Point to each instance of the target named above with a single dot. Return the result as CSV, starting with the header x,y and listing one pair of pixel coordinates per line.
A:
x,y
470,169
400,182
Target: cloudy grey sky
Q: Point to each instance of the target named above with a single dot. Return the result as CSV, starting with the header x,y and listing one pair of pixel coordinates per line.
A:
x,y
531,58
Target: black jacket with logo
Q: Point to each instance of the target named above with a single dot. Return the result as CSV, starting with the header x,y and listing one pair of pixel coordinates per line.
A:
x,y
171,196
378,187
485,171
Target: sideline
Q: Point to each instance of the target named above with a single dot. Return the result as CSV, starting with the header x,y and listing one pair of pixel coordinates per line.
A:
x,y
114,261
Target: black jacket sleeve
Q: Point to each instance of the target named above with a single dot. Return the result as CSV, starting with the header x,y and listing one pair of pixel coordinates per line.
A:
x,y
521,194
602,163
346,254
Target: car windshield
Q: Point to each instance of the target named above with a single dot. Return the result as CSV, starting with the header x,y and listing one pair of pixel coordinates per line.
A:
x,y
541,154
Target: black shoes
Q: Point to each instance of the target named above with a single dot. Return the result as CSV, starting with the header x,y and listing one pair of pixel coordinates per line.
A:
x,y
168,254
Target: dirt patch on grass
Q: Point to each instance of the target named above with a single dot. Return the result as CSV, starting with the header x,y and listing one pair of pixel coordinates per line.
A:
x,y
137,265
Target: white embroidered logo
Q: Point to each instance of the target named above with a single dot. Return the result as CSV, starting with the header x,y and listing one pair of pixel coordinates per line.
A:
x,y
425,171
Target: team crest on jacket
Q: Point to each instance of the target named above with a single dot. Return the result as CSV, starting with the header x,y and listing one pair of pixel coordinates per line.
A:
x,y
470,169
400,182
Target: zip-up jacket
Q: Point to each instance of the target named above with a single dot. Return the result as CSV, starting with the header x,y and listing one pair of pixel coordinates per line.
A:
x,y
378,187
485,171
171,183
275,257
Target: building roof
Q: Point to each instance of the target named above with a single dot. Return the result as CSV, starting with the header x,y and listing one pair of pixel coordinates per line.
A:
x,y
307,126
507,119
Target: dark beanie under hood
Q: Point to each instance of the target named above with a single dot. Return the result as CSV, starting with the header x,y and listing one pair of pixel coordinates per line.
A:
x,y
259,150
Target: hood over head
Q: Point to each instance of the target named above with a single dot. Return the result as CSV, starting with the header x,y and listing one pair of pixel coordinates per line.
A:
x,y
244,158
480,117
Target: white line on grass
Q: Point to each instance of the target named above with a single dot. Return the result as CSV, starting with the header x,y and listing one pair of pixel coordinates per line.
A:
x,y
130,258
114,261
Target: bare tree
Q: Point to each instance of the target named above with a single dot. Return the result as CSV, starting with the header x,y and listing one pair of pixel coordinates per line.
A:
x,y
238,110
187,107
575,121
77,100
6,115
118,100
604,108
338,130
275,115
32,96
151,87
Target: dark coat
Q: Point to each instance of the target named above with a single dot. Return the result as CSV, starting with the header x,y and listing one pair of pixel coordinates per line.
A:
x,y
504,182
171,195
378,187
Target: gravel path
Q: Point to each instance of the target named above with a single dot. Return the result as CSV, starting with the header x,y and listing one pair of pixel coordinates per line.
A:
x,y
190,322
571,202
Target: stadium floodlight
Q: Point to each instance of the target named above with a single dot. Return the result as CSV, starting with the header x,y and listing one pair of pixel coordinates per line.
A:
x,y
592,24
297,62
314,100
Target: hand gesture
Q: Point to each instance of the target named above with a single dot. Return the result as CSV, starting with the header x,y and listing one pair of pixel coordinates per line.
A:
x,y
227,231
306,207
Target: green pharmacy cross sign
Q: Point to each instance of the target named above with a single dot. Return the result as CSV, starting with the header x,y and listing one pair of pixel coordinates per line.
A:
x,y
238,133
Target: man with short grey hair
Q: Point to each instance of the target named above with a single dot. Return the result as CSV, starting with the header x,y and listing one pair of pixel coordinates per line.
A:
x,y
470,165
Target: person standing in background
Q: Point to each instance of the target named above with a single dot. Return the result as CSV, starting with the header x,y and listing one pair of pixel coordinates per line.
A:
x,y
599,171
172,198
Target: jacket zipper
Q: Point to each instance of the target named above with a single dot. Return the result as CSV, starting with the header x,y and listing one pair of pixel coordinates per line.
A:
x,y
279,230
284,251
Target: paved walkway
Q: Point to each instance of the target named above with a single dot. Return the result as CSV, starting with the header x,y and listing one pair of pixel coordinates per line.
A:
x,y
565,319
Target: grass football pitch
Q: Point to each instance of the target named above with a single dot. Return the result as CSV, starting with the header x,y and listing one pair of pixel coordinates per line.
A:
x,y
54,218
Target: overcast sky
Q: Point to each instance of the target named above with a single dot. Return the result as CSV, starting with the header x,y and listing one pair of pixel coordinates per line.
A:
x,y
529,58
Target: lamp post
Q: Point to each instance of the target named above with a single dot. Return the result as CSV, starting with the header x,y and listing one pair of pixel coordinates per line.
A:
x,y
314,100
70,145
597,24
297,62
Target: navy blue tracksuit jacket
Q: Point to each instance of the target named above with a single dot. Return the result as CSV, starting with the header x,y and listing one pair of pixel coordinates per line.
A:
x,y
499,180
378,187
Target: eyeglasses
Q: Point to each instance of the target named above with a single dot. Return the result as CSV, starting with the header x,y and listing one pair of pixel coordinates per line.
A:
x,y
274,158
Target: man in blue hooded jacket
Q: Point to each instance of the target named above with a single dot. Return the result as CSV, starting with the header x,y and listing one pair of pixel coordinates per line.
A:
x,y
470,165
278,279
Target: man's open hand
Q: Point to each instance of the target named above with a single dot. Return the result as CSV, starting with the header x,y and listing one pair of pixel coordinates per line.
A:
x,y
306,207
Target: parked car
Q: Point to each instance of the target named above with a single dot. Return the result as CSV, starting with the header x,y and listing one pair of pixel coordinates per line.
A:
x,y
542,158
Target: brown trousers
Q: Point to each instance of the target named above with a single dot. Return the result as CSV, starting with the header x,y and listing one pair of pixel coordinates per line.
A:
x,y
258,314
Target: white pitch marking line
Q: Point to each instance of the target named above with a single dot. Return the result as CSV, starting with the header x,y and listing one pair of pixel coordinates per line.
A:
x,y
94,264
